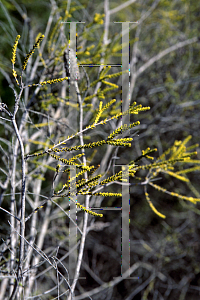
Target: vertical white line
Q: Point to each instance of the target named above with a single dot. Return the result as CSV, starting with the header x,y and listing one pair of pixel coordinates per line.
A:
x,y
73,112
72,227
125,76
125,220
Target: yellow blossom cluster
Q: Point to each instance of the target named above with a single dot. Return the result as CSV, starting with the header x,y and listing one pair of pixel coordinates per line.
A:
x,y
88,211
98,18
52,81
14,50
32,51
13,59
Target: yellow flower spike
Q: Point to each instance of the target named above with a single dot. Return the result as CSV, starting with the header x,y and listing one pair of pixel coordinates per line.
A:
x,y
110,83
32,51
156,212
53,81
153,207
99,114
13,59
87,210
14,49
191,199
108,194
38,36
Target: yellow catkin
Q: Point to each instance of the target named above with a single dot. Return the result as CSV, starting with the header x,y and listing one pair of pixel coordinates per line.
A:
x,y
13,59
31,52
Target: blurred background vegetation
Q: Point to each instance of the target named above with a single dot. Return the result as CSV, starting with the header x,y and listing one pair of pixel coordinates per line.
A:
x,y
171,87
